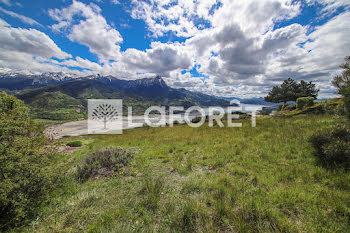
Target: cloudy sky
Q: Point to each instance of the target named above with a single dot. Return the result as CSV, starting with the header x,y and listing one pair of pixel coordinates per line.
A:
x,y
219,47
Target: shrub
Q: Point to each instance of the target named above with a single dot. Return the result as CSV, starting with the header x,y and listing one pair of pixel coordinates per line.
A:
x,y
196,120
346,99
332,147
285,107
24,179
104,162
264,113
74,144
304,102
290,107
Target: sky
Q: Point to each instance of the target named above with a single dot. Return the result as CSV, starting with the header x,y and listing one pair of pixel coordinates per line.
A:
x,y
229,48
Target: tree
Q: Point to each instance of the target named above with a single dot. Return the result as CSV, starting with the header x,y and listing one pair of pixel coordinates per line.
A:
x,y
307,89
291,91
23,179
342,83
284,93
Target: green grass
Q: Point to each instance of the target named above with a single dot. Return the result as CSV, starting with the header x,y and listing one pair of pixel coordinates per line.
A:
x,y
184,179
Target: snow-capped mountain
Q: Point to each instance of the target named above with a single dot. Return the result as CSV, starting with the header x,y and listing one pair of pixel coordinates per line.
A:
x,y
19,81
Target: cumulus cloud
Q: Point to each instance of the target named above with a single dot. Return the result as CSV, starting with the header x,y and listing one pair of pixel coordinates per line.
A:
x,y
93,31
160,59
30,41
319,58
185,18
28,49
237,46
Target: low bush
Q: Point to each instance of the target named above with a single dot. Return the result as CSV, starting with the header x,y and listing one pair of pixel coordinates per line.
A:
x,y
283,107
196,120
104,162
346,100
264,113
304,102
74,144
290,107
332,147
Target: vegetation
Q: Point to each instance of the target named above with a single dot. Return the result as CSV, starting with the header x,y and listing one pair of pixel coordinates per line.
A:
x,y
24,181
303,102
290,107
75,144
68,100
291,91
333,146
104,162
184,179
342,83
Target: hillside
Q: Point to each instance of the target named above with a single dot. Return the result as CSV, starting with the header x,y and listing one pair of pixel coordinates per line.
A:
x,y
185,179
72,95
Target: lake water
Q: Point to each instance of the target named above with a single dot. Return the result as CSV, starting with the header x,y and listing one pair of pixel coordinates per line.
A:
x,y
81,127
245,108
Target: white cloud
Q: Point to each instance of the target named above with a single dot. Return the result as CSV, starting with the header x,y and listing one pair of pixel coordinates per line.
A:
x,y
162,16
116,2
6,2
93,31
242,52
160,59
234,44
330,6
23,18
319,58
30,41
82,63
3,23
28,49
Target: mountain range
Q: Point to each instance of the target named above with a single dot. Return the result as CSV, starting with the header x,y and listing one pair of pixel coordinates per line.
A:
x,y
59,96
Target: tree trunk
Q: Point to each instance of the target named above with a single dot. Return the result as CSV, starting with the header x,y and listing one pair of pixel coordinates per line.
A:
x,y
284,105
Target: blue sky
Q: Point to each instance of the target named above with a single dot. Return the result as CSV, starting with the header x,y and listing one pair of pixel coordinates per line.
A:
x,y
219,47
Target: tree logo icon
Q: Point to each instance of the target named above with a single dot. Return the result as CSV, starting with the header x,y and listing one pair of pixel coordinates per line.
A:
x,y
105,113
105,116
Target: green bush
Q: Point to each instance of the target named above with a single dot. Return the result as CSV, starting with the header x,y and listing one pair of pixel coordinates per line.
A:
x,y
24,178
264,113
290,107
284,106
332,147
196,120
304,102
74,144
346,99
104,162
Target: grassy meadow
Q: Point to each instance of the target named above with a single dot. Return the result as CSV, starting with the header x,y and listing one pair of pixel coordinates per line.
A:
x,y
183,179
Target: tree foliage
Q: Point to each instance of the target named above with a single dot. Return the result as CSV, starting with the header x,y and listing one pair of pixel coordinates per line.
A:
x,y
23,179
342,83
303,102
290,90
